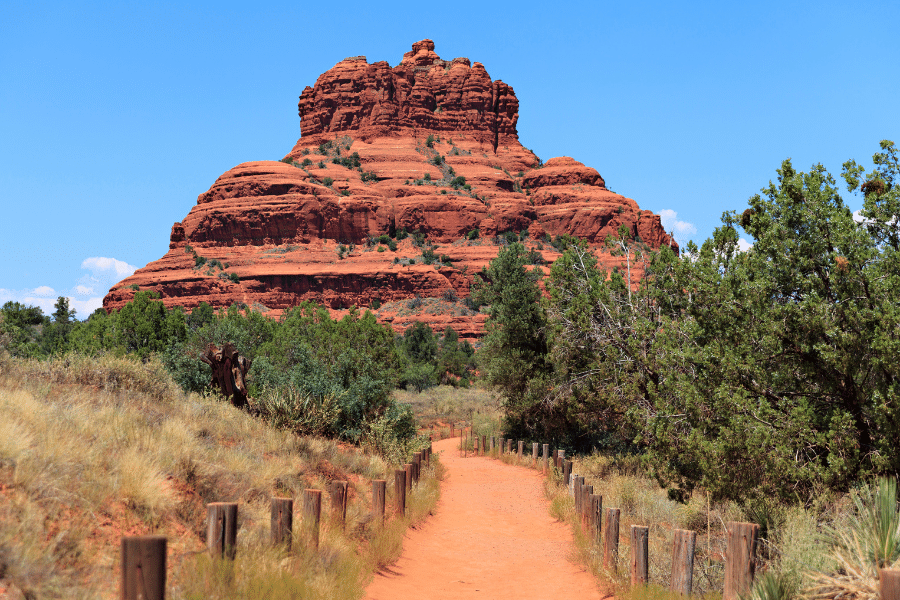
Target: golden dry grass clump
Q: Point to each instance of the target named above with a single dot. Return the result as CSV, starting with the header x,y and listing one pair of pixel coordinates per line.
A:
x,y
95,448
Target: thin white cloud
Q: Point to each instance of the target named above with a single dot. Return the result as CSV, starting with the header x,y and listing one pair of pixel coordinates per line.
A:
x,y
671,223
44,291
744,245
28,298
84,308
102,263
104,273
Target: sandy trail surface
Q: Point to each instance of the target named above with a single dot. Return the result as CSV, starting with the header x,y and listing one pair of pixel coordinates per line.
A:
x,y
491,537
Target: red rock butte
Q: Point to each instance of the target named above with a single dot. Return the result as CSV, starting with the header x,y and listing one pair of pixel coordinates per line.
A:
x,y
428,146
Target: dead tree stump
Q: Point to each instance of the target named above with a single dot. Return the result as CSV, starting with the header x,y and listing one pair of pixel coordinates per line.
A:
x,y
229,370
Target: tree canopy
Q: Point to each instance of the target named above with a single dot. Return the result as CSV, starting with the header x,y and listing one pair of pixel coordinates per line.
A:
x,y
771,371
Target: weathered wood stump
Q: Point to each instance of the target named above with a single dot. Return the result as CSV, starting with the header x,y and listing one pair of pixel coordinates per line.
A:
x,y
229,370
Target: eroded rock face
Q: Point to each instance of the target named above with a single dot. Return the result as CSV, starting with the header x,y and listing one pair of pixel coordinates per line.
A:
x,y
423,92
428,146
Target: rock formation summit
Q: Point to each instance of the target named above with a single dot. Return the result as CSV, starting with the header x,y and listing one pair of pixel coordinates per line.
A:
x,y
405,182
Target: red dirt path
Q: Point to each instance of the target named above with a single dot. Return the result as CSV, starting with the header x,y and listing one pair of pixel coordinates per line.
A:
x,y
491,537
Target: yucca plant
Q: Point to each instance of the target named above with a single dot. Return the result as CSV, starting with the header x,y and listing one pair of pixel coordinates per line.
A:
x,y
869,541
773,585
302,413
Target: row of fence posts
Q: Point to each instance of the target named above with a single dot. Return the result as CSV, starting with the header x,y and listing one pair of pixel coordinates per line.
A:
x,y
144,557
741,538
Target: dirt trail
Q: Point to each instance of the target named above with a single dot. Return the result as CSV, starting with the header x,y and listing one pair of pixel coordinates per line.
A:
x,y
491,536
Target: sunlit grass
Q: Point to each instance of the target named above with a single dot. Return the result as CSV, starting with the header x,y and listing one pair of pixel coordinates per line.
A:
x,y
91,451
792,557
442,405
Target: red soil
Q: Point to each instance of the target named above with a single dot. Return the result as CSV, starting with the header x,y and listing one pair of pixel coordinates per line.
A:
x,y
491,537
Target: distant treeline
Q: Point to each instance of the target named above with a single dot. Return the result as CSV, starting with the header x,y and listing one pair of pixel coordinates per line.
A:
x,y
350,364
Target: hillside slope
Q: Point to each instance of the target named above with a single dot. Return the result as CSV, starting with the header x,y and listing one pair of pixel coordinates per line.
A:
x,y
94,449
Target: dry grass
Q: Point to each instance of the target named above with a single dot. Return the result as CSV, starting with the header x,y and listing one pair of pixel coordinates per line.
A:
x,y
91,451
444,404
794,555
868,541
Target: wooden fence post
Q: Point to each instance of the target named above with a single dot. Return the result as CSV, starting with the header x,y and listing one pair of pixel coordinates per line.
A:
x,y
408,468
484,445
521,449
597,517
889,584
576,490
567,471
339,500
400,491
683,561
379,489
509,446
586,492
417,467
560,459
546,458
639,538
144,567
312,515
534,453
221,529
740,558
611,540
282,523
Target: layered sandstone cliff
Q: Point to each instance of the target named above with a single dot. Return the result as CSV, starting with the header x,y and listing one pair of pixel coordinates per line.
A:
x,y
428,146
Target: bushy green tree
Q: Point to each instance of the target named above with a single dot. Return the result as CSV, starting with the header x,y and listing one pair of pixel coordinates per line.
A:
x,y
94,335
353,360
55,338
21,327
766,372
514,354
419,343
419,350
454,358
144,326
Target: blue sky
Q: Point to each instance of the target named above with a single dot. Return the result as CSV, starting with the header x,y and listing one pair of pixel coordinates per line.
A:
x,y
115,116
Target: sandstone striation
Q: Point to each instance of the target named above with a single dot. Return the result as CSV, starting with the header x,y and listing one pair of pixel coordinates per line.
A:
x,y
428,148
